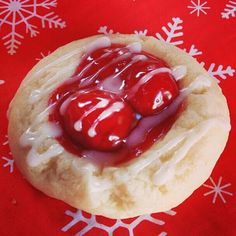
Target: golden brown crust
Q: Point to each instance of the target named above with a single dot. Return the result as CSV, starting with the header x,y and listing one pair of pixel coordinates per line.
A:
x,y
136,187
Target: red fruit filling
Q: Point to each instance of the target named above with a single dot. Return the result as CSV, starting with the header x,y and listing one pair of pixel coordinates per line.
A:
x,y
97,120
114,103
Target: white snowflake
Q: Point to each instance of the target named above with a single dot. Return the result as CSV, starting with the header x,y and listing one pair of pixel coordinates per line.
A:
x,y
217,190
173,32
141,33
2,82
104,30
14,13
198,7
42,55
219,72
91,223
193,51
9,162
230,10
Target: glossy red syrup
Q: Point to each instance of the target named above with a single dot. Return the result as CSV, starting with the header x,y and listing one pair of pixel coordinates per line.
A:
x,y
108,109
110,131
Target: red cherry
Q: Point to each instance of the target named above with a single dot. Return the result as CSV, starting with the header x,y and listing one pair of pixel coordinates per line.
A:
x,y
97,119
141,68
153,96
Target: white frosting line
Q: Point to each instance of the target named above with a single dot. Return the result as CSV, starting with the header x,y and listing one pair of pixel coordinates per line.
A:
x,y
101,42
36,95
83,104
65,104
88,66
167,169
37,133
35,136
48,86
196,133
190,137
135,47
78,125
179,72
147,77
89,80
59,60
112,84
200,82
147,123
142,163
115,107
101,104
135,59
98,43
34,158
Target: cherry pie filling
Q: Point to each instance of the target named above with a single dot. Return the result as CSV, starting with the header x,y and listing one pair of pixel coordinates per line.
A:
x,y
115,106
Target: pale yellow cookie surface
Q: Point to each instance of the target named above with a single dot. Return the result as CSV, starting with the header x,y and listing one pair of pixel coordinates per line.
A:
x,y
159,179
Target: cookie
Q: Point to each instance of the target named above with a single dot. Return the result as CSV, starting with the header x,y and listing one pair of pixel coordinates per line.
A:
x,y
118,126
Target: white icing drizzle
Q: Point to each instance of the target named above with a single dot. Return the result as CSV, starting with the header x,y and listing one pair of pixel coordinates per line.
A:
x,y
134,59
199,83
104,158
147,77
35,137
120,52
34,158
35,96
89,80
101,104
83,104
37,133
179,72
87,67
112,85
135,47
59,60
191,137
101,42
65,104
115,107
142,163
48,86
78,125
147,123
43,115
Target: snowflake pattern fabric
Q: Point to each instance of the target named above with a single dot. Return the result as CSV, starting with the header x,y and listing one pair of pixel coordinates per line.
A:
x,y
173,31
91,223
204,29
16,12
217,190
198,7
230,10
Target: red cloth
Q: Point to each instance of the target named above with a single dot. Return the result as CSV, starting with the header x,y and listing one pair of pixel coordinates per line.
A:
x,y
26,211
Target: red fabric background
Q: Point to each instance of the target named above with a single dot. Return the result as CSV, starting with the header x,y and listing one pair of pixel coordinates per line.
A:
x,y
26,211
